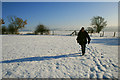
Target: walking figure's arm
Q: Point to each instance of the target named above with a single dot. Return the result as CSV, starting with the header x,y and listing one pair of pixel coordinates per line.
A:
x,y
78,37
89,39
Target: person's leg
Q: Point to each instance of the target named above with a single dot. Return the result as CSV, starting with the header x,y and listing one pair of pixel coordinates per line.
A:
x,y
83,48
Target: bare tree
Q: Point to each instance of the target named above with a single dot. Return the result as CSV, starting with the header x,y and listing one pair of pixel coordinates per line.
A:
x,y
42,29
18,23
98,23
2,22
90,29
4,29
11,29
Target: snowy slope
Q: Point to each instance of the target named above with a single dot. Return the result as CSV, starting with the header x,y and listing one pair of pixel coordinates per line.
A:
x,y
35,56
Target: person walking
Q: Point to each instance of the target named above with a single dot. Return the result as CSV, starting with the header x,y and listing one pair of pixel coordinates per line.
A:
x,y
83,38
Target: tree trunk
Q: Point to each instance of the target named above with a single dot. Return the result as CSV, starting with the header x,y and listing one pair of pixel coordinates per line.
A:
x,y
41,33
16,31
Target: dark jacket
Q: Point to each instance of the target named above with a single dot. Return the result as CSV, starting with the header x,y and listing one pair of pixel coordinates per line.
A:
x,y
82,37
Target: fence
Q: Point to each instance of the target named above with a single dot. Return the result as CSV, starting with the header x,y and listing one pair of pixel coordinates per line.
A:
x,y
101,34
73,33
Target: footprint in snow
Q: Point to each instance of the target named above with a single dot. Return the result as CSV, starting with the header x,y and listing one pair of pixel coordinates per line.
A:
x,y
115,65
101,68
8,73
102,56
57,67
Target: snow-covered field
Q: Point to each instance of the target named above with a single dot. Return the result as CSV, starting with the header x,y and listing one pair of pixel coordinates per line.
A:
x,y
35,56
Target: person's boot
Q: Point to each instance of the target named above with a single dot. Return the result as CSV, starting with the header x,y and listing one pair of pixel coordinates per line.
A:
x,y
83,54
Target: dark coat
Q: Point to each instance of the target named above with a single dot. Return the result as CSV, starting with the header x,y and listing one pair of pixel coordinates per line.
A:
x,y
82,38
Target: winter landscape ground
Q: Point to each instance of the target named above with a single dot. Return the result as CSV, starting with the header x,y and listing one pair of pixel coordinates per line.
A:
x,y
47,56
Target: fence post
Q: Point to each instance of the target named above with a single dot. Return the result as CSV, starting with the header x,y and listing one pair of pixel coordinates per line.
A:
x,y
100,34
103,34
53,32
114,34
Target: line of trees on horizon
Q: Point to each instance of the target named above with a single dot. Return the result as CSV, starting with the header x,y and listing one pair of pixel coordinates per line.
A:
x,y
16,23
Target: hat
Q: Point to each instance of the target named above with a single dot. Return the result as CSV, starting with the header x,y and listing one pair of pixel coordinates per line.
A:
x,y
82,28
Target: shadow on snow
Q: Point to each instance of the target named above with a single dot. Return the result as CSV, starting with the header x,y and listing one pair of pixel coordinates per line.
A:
x,y
107,41
40,58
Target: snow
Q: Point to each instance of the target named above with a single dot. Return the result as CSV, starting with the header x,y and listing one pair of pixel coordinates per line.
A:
x,y
37,56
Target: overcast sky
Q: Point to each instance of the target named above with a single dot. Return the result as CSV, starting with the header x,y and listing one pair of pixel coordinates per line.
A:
x,y
61,15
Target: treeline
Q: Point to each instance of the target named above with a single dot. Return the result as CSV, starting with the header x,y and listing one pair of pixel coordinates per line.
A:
x,y
97,24
16,23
